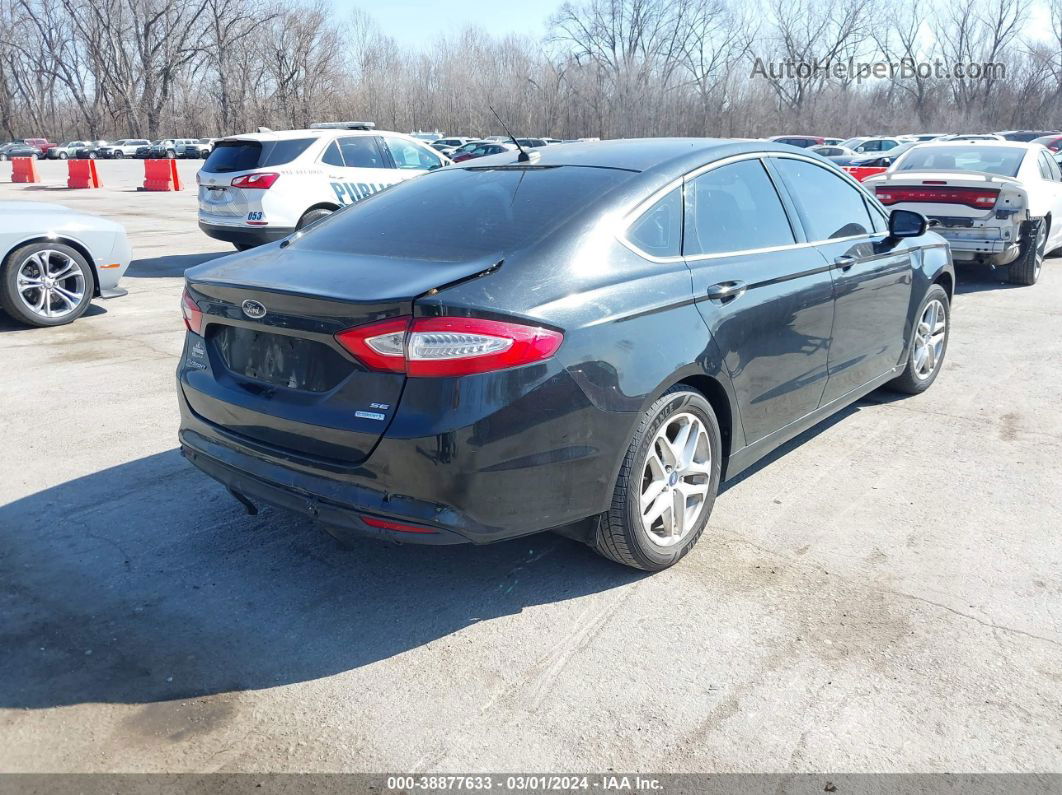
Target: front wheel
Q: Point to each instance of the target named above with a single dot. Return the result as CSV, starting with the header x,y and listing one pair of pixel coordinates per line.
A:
x,y
929,345
63,155
118,154
667,484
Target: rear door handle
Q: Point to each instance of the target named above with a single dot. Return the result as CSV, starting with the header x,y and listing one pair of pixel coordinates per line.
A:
x,y
726,291
844,262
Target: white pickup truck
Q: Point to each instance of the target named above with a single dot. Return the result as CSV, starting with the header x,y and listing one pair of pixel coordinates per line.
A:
x,y
997,203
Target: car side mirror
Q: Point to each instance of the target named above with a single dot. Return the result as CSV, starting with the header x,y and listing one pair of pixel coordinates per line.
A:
x,y
904,223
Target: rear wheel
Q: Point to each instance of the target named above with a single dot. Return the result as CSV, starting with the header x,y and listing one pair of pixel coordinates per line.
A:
x,y
118,154
667,485
312,217
45,284
929,345
1026,268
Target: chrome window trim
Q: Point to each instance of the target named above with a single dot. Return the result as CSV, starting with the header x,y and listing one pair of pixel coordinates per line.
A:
x,y
643,206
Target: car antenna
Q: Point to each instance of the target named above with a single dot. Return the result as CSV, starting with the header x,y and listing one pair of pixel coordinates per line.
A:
x,y
523,157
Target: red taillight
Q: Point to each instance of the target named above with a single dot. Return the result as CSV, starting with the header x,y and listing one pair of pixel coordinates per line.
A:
x,y
193,315
262,180
978,198
427,347
398,527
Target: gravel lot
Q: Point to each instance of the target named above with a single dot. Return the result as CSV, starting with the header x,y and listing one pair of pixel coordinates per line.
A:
x,y
883,595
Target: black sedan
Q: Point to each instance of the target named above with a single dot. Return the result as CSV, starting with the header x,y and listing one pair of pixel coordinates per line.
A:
x,y
587,339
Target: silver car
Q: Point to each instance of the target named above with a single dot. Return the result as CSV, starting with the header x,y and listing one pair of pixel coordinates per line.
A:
x,y
54,261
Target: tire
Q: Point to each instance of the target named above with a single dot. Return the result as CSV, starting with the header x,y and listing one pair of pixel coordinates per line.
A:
x,y
916,378
621,535
171,155
63,155
1026,268
55,310
91,155
118,154
312,217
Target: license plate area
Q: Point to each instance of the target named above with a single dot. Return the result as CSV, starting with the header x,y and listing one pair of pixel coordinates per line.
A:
x,y
279,359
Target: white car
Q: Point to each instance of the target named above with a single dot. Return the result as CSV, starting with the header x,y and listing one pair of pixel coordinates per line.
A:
x,y
125,147
54,261
997,203
260,187
862,145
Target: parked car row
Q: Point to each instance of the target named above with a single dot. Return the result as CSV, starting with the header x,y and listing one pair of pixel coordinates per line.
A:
x,y
192,148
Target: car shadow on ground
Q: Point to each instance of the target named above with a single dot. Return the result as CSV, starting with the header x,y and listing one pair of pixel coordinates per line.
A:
x,y
981,278
8,324
145,582
170,266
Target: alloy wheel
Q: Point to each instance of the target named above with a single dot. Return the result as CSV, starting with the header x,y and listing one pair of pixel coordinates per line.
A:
x,y
50,284
929,339
675,479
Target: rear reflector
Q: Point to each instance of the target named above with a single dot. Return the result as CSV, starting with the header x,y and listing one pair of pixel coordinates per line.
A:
x,y
398,527
193,315
428,347
262,180
978,198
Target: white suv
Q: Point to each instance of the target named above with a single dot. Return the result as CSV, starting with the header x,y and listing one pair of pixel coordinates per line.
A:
x,y
261,187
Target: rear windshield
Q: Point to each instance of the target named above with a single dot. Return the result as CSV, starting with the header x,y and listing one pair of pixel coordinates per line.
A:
x,y
990,159
244,155
454,214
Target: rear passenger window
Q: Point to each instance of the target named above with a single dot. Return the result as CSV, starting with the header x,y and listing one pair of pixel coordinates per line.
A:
x,y
659,229
828,205
361,151
734,208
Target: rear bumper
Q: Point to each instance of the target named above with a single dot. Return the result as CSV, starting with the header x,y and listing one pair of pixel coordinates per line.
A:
x,y
257,483
244,235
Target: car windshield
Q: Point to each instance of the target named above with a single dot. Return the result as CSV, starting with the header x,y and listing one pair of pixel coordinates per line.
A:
x,y
852,143
1001,160
458,213
229,156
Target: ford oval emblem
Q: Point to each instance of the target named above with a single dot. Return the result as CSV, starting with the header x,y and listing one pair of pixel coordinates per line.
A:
x,y
253,309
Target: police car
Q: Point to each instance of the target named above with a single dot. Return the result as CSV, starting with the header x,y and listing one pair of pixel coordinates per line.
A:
x,y
261,187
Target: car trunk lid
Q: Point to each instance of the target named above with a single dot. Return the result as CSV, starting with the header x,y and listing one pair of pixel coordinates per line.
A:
x,y
270,369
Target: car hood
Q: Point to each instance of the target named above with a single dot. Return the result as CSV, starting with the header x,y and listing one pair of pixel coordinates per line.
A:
x,y
33,207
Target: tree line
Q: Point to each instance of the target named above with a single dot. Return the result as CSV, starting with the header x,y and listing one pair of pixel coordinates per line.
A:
x,y
606,68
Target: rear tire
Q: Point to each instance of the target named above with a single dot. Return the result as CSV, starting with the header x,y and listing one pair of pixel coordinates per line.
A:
x,y
930,329
1026,268
312,217
679,482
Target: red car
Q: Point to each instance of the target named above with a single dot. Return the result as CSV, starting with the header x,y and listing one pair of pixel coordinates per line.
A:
x,y
1052,142
42,144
